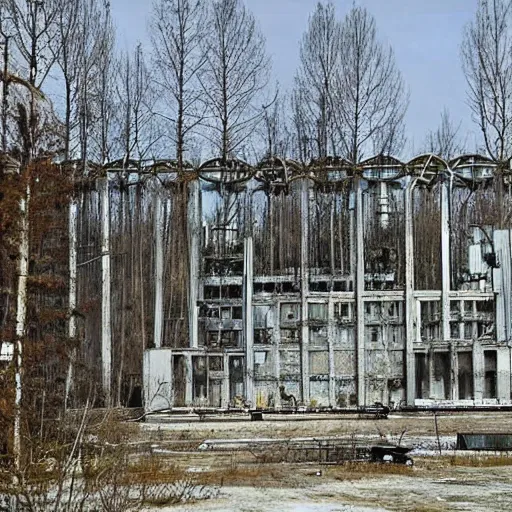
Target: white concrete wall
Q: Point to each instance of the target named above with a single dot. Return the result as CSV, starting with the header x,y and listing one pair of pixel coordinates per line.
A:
x,y
157,379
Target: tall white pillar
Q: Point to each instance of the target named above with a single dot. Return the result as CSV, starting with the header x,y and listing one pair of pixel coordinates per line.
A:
x,y
194,240
360,330
159,271
409,296
248,320
106,328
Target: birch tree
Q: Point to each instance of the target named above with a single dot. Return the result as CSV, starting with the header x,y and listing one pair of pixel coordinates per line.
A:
x,y
235,74
370,94
320,53
177,29
487,64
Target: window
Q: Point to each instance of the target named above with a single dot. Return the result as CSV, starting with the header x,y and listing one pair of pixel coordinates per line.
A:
x,y
290,312
289,336
262,336
317,311
342,310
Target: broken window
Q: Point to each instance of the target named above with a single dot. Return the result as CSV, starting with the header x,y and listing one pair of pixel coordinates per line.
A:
x,y
290,312
289,336
262,336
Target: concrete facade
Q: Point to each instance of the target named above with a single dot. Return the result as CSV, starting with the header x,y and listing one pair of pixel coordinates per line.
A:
x,y
340,285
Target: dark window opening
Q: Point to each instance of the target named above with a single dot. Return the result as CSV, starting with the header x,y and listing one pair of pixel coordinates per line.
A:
x,y
491,374
422,376
465,375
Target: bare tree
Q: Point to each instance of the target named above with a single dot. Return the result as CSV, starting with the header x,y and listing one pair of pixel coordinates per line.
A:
x,y
33,25
98,108
487,63
445,140
79,29
135,99
316,79
176,34
235,74
274,130
370,95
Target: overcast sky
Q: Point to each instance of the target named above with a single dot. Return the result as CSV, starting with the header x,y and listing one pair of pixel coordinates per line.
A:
x,y
425,35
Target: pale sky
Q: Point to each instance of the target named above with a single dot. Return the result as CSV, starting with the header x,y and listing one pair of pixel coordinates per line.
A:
x,y
425,35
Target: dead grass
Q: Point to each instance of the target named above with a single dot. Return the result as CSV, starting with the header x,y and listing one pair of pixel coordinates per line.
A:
x,y
479,461
358,470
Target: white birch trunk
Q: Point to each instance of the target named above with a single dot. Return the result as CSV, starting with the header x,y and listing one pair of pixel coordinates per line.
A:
x,y
21,321
73,228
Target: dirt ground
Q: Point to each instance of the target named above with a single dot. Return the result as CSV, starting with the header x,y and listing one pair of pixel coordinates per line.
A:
x,y
450,481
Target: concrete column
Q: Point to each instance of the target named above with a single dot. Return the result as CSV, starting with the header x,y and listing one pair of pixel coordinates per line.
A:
x,y
430,362
194,239
445,260
276,343
383,204
454,357
248,320
410,305
188,379
304,289
478,371
106,327
159,271
503,370
330,338
502,284
225,383
360,331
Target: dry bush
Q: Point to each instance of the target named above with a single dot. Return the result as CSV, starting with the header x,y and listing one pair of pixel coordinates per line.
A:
x,y
185,490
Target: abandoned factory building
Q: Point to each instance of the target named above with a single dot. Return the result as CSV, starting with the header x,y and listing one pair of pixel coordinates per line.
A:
x,y
336,284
